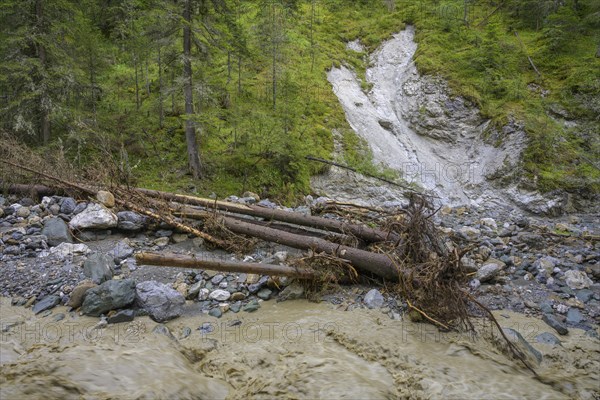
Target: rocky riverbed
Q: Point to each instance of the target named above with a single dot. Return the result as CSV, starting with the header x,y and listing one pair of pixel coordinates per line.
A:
x,y
546,270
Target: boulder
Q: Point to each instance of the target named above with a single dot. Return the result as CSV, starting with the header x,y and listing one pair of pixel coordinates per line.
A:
x,y
95,216
577,279
489,270
98,267
373,299
108,296
160,301
57,231
68,205
46,303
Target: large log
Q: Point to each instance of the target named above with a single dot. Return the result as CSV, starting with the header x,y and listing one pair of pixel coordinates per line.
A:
x,y
376,263
19,188
363,232
174,260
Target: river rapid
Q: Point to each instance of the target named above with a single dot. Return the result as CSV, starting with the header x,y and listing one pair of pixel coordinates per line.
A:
x,y
293,349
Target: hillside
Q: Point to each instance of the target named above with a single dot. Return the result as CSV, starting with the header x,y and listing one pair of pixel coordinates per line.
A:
x,y
96,79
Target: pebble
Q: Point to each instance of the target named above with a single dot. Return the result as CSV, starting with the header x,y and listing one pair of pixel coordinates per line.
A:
x,y
251,306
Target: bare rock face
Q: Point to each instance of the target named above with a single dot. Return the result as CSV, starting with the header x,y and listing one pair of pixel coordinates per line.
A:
x,y
95,216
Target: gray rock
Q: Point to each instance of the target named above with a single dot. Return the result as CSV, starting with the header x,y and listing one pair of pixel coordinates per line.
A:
x,y
251,306
574,316
130,221
98,267
161,329
163,233
185,332
160,301
80,207
469,233
68,205
121,316
555,323
489,270
235,307
291,292
217,279
121,252
215,312
523,345
584,295
194,290
264,294
577,279
373,299
548,338
219,295
108,296
95,216
46,303
546,264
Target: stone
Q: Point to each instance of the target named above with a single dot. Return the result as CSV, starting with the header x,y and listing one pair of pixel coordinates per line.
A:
x,y
110,295
584,295
98,267
293,291
219,295
80,207
373,299
162,302
574,317
161,241
130,221
68,205
121,316
95,216
215,312
23,212
106,198
577,279
78,294
217,279
469,233
46,303
523,345
489,222
121,251
203,294
264,294
236,296
546,264
489,270
66,249
235,307
194,290
161,233
179,237
162,329
555,323
251,306
548,338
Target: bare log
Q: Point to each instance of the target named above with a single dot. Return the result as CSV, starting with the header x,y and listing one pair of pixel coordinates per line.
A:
x,y
363,232
19,188
376,263
175,260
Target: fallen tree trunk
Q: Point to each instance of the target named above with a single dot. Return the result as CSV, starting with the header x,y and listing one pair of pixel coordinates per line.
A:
x,y
363,232
215,264
17,188
376,263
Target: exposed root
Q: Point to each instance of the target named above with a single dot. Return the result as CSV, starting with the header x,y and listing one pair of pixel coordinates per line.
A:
x,y
329,270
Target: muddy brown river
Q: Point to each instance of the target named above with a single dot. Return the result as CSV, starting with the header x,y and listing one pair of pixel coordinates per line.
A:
x,y
293,349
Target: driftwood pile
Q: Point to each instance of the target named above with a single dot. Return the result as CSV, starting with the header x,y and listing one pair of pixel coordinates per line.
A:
x,y
402,251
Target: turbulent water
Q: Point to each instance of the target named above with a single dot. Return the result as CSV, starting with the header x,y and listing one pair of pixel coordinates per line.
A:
x,y
293,349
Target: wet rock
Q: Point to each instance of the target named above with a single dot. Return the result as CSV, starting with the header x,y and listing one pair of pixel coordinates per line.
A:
x,y
219,295
235,307
251,306
291,292
108,296
577,279
67,205
163,233
574,317
80,207
95,216
490,270
185,332
584,295
555,323
130,221
162,302
548,338
59,317
46,303
162,329
215,312
78,294
264,294
373,299
121,316
523,345
194,290
217,279
106,198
